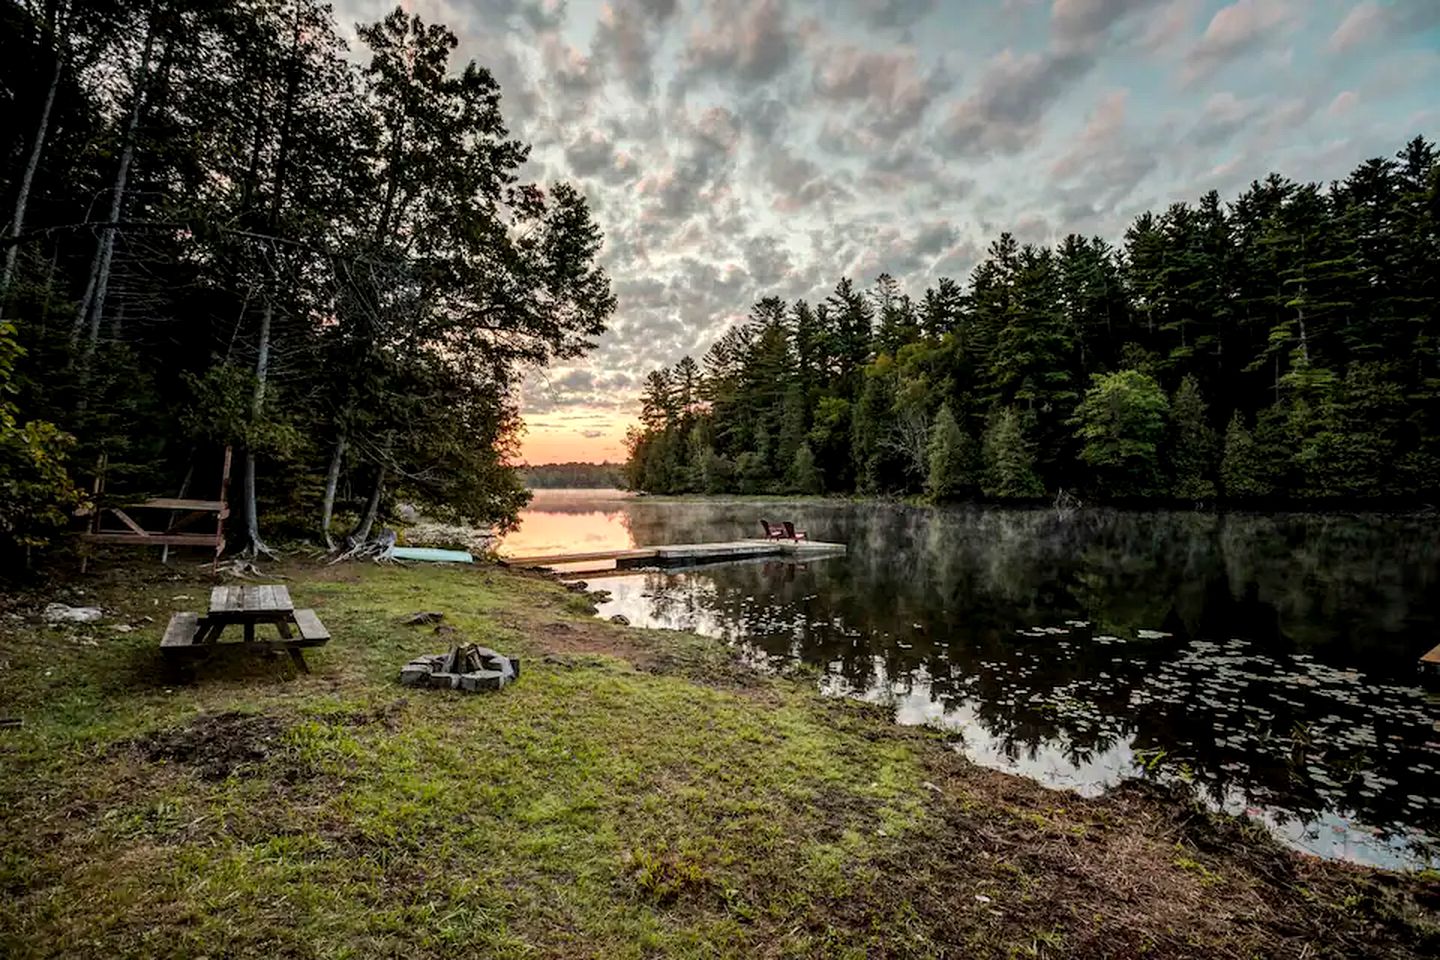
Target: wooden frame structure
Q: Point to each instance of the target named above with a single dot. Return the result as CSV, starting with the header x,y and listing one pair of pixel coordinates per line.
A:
x,y
188,510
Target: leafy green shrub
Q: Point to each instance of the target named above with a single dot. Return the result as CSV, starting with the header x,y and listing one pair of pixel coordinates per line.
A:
x,y
36,491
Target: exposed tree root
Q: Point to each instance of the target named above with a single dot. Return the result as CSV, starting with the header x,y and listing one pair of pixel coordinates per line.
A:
x,y
377,550
242,569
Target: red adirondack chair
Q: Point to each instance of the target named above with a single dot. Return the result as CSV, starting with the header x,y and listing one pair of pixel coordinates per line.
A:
x,y
772,531
791,533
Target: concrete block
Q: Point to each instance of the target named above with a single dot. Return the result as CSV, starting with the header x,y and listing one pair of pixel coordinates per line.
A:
x,y
482,680
415,676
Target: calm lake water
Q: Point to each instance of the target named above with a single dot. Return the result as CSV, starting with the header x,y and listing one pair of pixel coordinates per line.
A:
x,y
1269,661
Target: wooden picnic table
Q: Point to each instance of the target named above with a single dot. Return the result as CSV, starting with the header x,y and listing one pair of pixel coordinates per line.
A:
x,y
247,607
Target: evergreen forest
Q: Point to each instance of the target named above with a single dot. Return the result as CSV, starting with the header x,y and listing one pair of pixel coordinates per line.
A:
x,y
1282,347
224,226
571,475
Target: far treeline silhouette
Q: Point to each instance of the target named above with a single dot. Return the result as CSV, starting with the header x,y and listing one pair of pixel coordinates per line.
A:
x,y
221,227
1285,346
571,474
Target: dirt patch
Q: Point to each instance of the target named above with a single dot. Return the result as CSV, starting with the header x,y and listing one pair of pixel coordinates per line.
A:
x,y
1010,868
216,745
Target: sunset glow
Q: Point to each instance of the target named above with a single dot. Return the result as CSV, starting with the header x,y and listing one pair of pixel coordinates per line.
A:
x,y
576,433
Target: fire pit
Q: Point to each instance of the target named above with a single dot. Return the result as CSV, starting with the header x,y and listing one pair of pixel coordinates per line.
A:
x,y
466,667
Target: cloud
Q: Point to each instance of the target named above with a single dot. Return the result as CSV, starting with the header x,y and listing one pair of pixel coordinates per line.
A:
x,y
700,176
1234,30
592,154
1085,21
798,180
890,88
1099,137
750,42
1169,26
1101,167
592,434
1223,116
1370,21
1004,115
626,35
894,14
732,149
1343,103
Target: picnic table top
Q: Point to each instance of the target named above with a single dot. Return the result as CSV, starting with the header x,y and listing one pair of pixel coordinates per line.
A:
x,y
242,602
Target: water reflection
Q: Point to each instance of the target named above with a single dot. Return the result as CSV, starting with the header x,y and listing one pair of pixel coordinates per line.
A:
x,y
1268,660
571,521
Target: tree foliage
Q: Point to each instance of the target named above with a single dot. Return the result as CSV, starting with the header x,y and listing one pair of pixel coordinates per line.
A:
x,y
1120,422
1009,458
952,459
1303,317
239,231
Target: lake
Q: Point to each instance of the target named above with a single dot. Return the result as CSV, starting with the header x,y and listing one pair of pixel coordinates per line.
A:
x,y
1268,661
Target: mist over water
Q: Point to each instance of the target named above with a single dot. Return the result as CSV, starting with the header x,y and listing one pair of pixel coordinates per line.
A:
x,y
1269,661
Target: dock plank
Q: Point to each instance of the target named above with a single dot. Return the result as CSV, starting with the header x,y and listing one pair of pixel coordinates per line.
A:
x,y
679,553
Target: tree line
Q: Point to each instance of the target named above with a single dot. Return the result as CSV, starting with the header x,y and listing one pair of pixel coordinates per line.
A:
x,y
222,228
1284,346
572,475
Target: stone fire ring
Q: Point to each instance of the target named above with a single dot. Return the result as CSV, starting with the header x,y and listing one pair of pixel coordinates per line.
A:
x,y
469,667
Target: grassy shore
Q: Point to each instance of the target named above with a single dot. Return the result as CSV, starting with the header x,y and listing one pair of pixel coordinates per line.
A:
x,y
636,794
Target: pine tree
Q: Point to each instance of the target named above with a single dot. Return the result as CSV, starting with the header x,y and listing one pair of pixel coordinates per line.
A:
x,y
1243,470
717,473
848,334
952,459
804,475
871,428
792,424
1191,444
943,309
657,401
685,389
752,473
1033,363
1009,459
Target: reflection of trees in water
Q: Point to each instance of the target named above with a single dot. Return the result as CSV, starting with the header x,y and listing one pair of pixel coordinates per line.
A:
x,y
940,595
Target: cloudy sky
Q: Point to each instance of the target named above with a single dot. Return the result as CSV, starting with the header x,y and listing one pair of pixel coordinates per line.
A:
x,y
733,149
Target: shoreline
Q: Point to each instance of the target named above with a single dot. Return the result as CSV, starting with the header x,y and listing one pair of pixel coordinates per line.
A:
x,y
1242,508
637,792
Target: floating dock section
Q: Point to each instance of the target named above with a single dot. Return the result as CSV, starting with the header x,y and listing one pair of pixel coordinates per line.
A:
x,y
685,554
1430,662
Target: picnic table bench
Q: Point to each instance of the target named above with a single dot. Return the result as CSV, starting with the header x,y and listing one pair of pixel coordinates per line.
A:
x,y
246,607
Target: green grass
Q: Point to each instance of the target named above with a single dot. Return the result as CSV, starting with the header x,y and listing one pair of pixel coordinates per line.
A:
x,y
636,794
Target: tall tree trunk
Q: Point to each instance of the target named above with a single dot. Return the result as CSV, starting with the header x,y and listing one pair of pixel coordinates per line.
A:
x,y
257,546
332,480
92,305
27,179
362,529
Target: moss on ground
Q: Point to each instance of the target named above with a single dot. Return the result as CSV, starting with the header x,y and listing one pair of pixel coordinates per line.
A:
x,y
637,794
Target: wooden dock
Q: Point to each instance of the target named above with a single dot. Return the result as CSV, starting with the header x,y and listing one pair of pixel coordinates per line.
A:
x,y
682,554
1430,662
